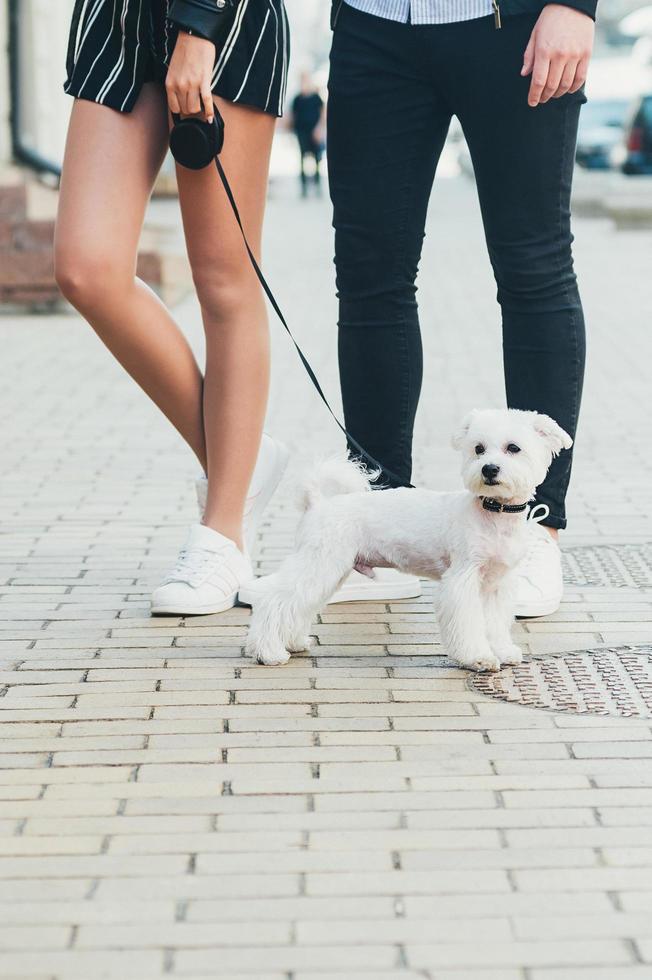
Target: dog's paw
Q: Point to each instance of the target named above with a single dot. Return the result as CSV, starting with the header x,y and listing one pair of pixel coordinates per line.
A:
x,y
510,656
300,644
272,658
267,656
484,663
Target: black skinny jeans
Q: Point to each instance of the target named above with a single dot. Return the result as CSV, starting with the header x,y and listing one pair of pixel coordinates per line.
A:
x,y
393,90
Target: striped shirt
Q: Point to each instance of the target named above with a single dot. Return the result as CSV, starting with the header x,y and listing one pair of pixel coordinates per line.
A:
x,y
425,11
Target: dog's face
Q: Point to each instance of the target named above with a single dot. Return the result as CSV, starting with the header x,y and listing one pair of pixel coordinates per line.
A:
x,y
506,453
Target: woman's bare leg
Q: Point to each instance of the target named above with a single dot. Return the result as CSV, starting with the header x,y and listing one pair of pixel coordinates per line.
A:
x,y
111,162
235,320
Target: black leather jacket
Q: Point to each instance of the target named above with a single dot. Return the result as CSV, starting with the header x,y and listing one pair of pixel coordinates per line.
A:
x,y
211,19
508,7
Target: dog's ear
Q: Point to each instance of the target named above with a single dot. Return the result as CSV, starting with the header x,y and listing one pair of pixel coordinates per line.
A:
x,y
554,436
462,430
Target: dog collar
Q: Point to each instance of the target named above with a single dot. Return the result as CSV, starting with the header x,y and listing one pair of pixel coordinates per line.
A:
x,y
490,503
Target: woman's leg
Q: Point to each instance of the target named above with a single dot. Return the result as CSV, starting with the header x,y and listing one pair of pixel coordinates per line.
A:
x,y
233,309
111,162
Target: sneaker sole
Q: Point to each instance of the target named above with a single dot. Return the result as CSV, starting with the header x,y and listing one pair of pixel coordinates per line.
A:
x,y
205,610
376,593
546,607
266,494
367,593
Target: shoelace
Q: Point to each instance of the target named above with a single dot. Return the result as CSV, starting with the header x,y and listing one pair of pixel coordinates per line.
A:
x,y
191,566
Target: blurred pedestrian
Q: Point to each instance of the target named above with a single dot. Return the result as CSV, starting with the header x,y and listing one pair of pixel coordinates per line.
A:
x,y
308,124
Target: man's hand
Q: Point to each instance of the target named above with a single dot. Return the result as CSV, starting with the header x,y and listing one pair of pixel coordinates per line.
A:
x,y
558,53
188,82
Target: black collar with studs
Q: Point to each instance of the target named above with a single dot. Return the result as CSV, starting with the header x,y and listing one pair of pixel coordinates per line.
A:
x,y
496,507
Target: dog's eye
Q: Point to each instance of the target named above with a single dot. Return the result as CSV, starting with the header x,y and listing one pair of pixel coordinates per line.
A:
x,y
513,449
479,449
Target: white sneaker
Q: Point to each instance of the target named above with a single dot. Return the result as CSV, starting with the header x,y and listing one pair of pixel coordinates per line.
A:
x,y
539,576
386,586
209,572
270,466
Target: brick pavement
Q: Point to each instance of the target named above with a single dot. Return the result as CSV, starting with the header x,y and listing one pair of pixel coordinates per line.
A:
x,y
169,809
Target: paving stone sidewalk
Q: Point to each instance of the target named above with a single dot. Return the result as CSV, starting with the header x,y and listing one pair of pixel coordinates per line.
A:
x,y
169,809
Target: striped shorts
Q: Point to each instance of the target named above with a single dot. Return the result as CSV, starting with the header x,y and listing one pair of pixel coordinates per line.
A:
x,y
117,45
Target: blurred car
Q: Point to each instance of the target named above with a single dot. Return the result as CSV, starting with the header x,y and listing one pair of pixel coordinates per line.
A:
x,y
600,131
634,154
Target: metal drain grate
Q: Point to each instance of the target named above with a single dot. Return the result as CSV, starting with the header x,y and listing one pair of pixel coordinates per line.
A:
x,y
611,565
616,681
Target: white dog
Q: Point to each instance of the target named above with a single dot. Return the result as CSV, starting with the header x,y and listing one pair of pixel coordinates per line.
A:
x,y
470,539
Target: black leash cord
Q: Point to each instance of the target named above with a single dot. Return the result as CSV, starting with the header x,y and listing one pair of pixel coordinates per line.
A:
x,y
304,360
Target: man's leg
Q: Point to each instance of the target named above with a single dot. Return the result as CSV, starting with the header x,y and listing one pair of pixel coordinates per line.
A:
x,y
302,172
523,159
386,128
318,153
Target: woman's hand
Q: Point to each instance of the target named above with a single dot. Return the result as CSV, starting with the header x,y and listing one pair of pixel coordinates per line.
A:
x,y
558,53
188,82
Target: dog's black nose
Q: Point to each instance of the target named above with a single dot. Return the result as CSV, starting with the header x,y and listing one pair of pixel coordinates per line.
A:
x,y
490,471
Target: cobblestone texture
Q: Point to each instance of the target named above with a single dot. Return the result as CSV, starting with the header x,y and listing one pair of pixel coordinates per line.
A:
x,y
169,809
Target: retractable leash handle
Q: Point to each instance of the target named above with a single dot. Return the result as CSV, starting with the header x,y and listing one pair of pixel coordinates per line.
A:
x,y
194,143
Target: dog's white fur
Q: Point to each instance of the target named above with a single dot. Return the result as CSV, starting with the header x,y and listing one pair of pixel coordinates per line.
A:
x,y
446,536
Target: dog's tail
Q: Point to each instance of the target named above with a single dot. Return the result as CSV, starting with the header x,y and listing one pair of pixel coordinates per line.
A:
x,y
332,477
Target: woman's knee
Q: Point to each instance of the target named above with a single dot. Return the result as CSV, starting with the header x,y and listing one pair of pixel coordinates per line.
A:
x,y
225,293
89,279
